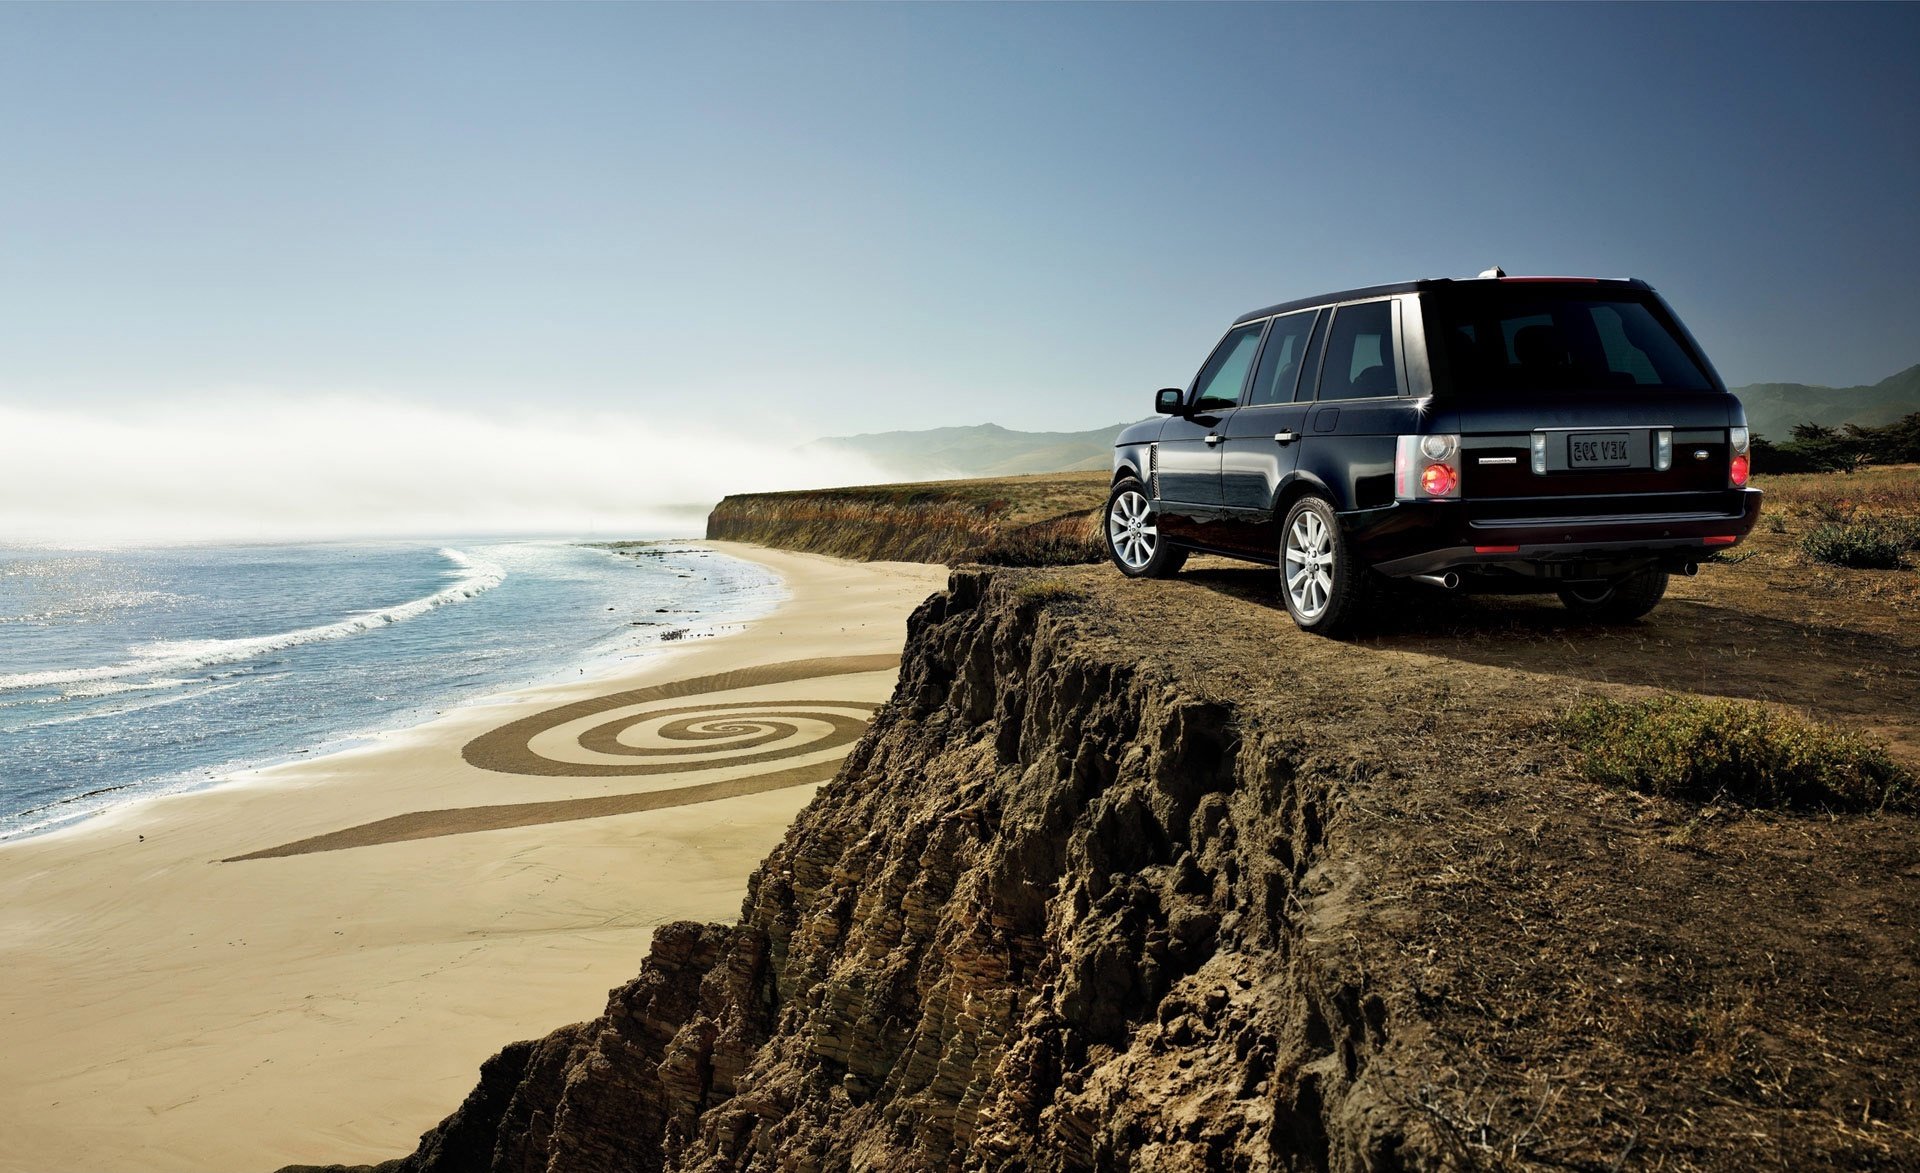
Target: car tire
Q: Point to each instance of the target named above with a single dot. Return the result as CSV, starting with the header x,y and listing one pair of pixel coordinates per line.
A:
x,y
1619,600
1133,535
1321,583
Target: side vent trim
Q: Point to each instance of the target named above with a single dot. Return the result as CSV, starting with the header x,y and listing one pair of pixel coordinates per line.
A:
x,y
1153,470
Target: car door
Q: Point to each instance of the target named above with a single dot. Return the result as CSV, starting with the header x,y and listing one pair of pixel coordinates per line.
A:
x,y
1261,441
1188,459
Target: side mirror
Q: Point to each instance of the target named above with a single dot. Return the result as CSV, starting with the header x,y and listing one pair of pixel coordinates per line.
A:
x,y
1170,401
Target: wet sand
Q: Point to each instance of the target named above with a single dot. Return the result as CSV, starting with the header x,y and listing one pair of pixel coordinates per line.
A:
x,y
309,963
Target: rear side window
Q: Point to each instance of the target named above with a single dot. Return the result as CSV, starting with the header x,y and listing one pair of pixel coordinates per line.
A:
x,y
1360,362
1512,341
1280,360
1218,387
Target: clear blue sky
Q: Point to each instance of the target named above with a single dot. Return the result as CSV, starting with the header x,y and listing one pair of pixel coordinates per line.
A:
x,y
806,220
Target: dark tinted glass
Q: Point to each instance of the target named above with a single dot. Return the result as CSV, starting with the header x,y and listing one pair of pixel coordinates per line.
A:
x,y
1280,360
1523,341
1218,386
1360,353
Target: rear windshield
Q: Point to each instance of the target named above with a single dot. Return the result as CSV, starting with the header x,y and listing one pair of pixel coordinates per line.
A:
x,y
1518,339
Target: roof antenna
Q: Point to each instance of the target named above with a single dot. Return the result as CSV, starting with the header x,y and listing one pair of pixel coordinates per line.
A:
x,y
1496,271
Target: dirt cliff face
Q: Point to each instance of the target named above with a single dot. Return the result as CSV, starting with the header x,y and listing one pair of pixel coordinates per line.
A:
x,y
1133,876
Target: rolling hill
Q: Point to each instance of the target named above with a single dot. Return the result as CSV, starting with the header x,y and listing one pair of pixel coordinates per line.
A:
x,y
1774,408
983,450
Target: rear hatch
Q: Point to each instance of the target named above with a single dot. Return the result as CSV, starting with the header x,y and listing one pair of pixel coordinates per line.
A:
x,y
1565,391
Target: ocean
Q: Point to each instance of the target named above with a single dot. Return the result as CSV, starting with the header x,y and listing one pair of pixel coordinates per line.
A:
x,y
134,672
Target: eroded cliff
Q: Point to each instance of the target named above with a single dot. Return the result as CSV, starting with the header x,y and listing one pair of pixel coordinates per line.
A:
x,y
1126,876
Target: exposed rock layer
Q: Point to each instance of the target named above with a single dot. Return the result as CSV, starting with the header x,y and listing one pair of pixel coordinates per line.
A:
x,y
1101,892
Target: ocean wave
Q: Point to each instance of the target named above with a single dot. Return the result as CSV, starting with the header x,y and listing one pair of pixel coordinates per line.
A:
x,y
172,656
140,706
90,690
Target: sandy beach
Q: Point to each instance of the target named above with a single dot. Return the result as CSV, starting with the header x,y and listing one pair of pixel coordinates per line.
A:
x,y
309,963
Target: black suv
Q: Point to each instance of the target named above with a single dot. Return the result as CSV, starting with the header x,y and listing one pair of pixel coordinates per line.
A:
x,y
1502,434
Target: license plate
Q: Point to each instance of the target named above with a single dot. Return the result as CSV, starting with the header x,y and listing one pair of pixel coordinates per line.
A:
x,y
1598,450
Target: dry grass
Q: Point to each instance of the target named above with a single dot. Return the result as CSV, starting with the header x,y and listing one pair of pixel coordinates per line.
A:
x,y
1836,511
1061,541
1888,493
1048,519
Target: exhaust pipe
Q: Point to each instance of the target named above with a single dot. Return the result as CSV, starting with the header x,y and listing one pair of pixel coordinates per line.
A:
x,y
1689,569
1446,582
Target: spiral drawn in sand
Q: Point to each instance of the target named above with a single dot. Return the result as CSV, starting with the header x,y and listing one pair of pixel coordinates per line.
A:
x,y
635,741
713,736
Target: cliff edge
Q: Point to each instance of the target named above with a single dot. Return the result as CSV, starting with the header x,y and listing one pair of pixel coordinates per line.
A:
x,y
1133,876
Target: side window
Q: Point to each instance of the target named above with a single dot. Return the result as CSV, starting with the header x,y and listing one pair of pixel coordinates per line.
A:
x,y
1361,357
1280,362
1218,387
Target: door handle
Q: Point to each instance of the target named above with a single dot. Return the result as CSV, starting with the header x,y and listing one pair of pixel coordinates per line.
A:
x,y
1212,439
1285,437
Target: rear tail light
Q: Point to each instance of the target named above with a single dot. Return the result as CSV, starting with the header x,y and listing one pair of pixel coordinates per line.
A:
x,y
1426,468
1740,466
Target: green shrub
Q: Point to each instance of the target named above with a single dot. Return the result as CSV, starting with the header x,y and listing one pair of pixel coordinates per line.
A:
x,y
1862,545
1707,750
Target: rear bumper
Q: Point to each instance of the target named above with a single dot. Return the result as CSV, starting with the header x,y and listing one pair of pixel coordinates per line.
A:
x,y
1545,538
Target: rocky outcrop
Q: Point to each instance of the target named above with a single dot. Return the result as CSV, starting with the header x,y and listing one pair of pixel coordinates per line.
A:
x,y
1104,891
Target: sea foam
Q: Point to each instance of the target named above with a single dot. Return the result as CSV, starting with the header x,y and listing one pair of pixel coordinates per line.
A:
x,y
154,659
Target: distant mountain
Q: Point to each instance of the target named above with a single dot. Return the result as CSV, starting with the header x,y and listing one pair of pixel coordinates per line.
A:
x,y
989,450
983,450
1773,408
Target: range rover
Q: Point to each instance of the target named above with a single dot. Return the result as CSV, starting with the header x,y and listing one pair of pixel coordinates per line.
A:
x,y
1500,434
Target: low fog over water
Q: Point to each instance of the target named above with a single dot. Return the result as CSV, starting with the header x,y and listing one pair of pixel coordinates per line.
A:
x,y
237,468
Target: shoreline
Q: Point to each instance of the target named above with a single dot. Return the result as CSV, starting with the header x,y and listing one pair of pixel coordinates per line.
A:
x,y
167,1011
600,663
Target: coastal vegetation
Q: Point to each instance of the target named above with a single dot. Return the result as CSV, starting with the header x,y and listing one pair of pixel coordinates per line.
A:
x,y
1707,749
1823,448
1867,545
1043,520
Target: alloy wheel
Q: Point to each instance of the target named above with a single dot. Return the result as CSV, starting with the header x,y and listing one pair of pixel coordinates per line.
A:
x,y
1131,529
1308,568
